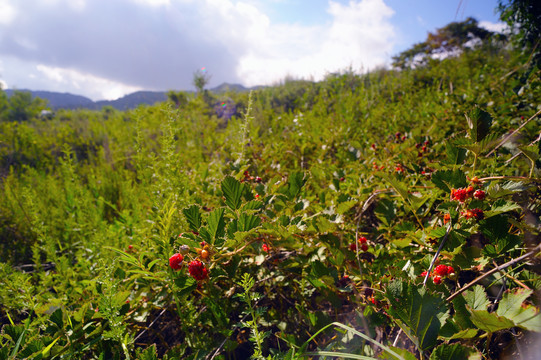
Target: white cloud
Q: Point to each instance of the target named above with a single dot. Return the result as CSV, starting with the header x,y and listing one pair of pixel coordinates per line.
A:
x,y
7,12
103,47
495,27
100,88
359,36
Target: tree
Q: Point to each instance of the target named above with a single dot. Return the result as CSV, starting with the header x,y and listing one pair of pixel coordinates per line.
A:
x,y
524,16
452,38
200,79
23,107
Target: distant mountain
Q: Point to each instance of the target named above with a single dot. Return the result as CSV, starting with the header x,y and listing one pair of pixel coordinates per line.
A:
x,y
69,101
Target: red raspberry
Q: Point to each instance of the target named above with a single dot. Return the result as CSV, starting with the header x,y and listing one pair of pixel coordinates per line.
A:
x,y
478,214
424,273
446,218
258,179
130,247
362,240
479,194
353,247
450,270
198,270
441,270
175,261
364,247
437,279
265,248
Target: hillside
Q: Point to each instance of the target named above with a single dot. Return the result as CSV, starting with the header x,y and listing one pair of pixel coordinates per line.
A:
x,y
58,100
394,214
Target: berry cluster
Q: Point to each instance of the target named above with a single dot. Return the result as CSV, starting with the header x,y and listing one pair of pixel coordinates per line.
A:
x,y
363,241
440,272
422,148
247,177
463,194
198,270
477,214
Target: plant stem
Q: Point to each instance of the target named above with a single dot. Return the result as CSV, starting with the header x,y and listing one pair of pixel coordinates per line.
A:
x,y
496,269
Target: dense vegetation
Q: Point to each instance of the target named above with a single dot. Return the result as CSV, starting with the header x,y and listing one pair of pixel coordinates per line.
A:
x,y
391,215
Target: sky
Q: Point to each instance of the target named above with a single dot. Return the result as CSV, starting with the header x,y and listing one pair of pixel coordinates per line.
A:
x,y
104,49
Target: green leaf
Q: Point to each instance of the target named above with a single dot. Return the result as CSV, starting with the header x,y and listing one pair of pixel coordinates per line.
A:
x,y
501,206
193,216
232,190
216,223
489,322
418,313
476,298
454,351
525,316
294,185
449,179
252,205
405,354
531,152
455,155
495,190
248,222
56,318
479,122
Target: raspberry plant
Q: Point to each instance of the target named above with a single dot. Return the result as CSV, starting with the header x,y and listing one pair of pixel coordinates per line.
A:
x,y
387,215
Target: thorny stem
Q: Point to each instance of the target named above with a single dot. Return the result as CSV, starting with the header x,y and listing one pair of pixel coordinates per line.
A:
x,y
438,252
496,269
505,139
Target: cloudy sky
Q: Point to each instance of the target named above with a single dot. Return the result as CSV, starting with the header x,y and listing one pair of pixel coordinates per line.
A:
x,y
104,49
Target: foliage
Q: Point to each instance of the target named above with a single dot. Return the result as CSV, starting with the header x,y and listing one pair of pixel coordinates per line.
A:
x,y
316,220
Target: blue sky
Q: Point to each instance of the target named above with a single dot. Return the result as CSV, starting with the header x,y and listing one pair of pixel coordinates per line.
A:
x,y
104,49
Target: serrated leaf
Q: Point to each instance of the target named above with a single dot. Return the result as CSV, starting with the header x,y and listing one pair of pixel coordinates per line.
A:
x,y
525,316
216,223
495,190
56,318
248,222
454,351
193,216
476,298
294,185
489,322
500,207
449,179
252,205
232,190
479,122
419,314
455,154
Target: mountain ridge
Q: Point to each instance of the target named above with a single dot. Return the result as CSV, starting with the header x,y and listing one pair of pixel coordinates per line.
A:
x,y
59,100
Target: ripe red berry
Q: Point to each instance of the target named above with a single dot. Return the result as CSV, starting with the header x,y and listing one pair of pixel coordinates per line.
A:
x,y
437,279
362,240
342,178
450,270
479,194
258,179
364,247
130,247
265,248
198,270
424,273
441,270
175,261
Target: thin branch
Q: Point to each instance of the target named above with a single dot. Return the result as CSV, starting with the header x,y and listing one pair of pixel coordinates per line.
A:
x,y
505,139
496,269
